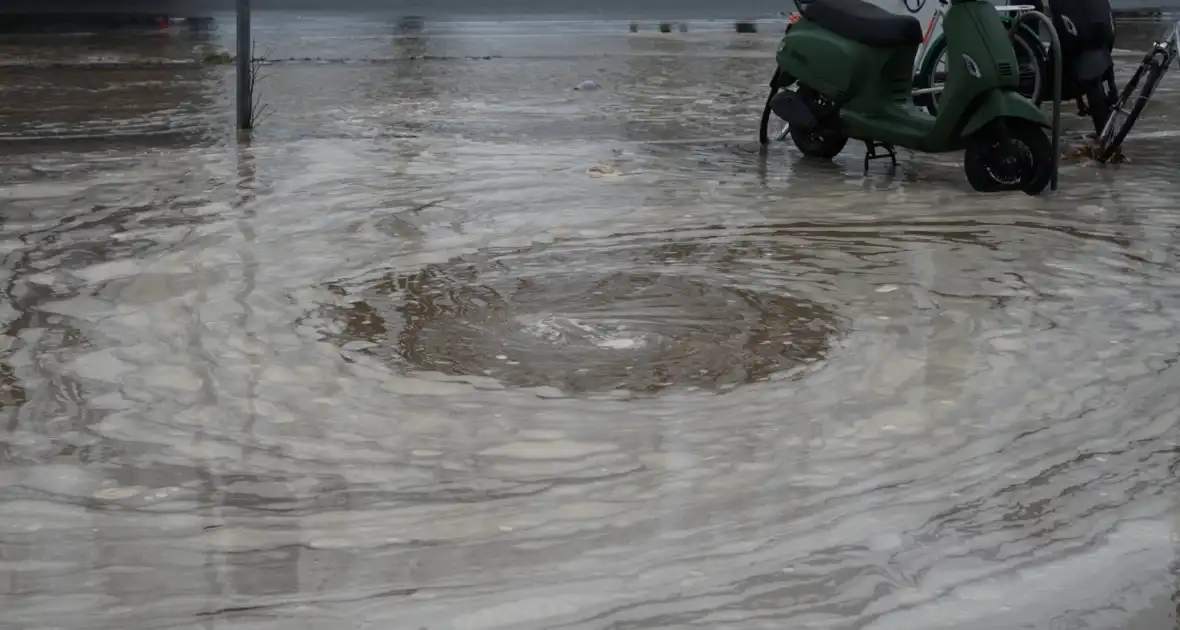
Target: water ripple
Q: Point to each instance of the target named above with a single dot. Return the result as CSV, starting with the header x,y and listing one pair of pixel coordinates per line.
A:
x,y
586,316
330,377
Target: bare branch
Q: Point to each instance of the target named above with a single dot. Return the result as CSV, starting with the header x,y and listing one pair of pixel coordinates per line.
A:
x,y
260,113
257,107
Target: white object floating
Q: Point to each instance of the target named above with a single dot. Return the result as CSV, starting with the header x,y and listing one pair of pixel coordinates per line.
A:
x,y
618,344
588,84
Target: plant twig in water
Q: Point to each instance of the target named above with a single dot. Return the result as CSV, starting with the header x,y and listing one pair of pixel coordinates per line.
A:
x,y
257,107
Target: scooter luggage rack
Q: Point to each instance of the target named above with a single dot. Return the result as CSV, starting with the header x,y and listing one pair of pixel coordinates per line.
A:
x,y
1057,62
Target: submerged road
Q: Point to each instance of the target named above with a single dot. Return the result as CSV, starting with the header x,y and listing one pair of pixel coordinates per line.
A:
x,y
448,344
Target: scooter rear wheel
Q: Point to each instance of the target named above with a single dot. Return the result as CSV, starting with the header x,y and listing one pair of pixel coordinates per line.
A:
x,y
824,142
1009,154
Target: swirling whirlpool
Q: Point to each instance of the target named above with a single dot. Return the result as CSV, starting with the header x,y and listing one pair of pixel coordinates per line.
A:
x,y
588,317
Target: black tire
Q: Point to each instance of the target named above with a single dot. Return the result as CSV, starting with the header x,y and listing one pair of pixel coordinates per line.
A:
x,y
1009,154
1098,104
827,140
1111,136
819,144
927,78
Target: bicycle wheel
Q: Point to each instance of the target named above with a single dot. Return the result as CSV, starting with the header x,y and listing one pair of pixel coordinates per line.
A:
x,y
1031,58
1118,125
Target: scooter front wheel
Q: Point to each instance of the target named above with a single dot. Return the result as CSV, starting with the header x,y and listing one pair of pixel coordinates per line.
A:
x,y
1009,154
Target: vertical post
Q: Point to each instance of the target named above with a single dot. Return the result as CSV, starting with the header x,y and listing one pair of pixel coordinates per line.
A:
x,y
245,82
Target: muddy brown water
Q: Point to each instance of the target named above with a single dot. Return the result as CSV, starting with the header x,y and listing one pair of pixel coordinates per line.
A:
x,y
450,345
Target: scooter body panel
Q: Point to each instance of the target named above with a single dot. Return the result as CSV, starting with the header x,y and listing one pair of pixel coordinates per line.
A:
x,y
901,124
850,89
844,71
1091,65
1086,31
872,86
1082,23
980,61
997,104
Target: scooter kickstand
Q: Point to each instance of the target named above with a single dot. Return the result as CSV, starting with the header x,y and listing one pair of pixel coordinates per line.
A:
x,y
871,154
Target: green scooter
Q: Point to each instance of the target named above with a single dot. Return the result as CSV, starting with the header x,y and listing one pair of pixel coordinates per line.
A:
x,y
853,66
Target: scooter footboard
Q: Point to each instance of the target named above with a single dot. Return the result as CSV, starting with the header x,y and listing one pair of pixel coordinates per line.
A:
x,y
1006,104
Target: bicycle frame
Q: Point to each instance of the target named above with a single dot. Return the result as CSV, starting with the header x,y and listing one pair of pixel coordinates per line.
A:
x,y
1169,46
1155,64
935,21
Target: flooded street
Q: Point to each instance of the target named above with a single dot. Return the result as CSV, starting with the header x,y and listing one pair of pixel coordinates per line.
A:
x,y
450,345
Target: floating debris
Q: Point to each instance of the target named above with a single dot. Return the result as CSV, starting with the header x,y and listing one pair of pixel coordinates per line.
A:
x,y
587,85
119,493
218,58
1085,152
602,170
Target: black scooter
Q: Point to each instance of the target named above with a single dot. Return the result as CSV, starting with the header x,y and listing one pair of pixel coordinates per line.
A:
x,y
1086,31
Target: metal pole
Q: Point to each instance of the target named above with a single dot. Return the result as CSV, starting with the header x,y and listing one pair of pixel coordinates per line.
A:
x,y
245,98
1057,63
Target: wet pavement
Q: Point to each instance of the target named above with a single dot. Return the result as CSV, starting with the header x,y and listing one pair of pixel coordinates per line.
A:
x,y
451,345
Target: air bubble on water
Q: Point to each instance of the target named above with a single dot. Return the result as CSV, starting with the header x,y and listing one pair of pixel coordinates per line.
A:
x,y
618,344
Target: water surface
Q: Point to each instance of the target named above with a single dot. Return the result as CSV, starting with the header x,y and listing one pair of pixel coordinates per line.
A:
x,y
448,344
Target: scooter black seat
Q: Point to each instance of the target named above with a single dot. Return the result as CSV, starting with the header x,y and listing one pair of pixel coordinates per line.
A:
x,y
865,23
